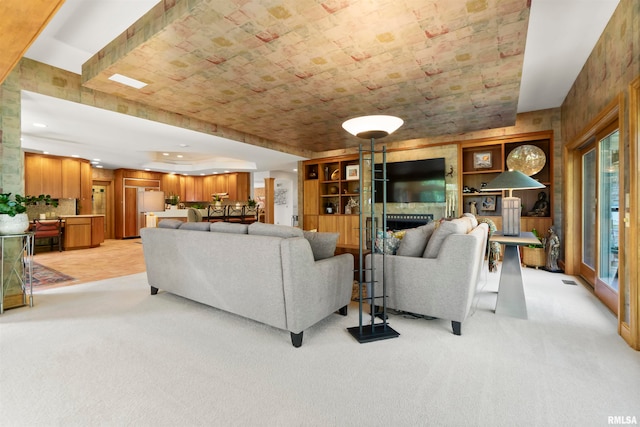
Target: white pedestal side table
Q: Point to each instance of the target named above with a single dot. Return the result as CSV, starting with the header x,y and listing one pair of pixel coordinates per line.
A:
x,y
511,300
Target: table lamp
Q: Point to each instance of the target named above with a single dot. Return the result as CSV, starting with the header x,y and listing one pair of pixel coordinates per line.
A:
x,y
511,180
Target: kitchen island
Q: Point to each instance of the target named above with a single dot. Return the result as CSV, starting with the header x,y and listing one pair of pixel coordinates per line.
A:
x,y
83,231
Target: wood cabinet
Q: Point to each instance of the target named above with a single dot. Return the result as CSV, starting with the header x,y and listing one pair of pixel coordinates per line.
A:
x,y
482,161
82,232
86,184
327,191
59,177
70,178
201,188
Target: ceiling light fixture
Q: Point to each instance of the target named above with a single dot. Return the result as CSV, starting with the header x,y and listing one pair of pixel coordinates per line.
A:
x,y
165,154
40,125
370,127
127,81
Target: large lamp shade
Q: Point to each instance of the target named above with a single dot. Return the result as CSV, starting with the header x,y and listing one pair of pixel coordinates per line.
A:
x,y
372,126
511,180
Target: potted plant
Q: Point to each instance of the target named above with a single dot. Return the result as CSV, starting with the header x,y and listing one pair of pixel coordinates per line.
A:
x,y
13,217
534,255
251,203
217,200
174,199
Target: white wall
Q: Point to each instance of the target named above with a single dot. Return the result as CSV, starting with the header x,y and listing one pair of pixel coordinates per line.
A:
x,y
285,194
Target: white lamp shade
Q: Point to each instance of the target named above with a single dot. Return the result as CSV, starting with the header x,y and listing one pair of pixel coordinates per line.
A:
x,y
372,126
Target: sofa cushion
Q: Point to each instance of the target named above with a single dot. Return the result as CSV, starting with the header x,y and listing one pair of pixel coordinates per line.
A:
x,y
456,226
199,226
323,245
229,227
170,223
275,230
415,240
473,219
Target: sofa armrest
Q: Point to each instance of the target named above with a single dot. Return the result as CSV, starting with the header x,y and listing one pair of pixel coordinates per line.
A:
x,y
313,289
441,287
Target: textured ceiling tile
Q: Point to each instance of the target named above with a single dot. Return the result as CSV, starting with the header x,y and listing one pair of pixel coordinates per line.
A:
x,y
291,71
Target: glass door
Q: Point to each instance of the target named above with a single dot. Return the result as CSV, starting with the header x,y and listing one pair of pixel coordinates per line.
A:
x,y
609,219
588,227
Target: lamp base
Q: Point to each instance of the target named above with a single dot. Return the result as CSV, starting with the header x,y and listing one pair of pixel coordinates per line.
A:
x,y
511,216
372,333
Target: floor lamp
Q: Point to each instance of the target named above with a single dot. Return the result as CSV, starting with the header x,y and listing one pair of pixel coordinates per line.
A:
x,y
371,127
511,180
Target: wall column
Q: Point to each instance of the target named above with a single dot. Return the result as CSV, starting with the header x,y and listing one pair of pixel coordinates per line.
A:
x,y
11,158
269,185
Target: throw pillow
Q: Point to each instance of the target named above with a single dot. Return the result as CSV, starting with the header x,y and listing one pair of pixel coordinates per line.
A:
x,y
275,230
390,244
199,226
323,245
446,228
415,240
170,223
229,227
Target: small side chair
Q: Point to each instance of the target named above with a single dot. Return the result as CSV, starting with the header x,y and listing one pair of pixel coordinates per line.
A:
x,y
51,230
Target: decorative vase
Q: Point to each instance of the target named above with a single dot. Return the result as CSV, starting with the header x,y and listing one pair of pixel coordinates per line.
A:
x,y
218,204
14,224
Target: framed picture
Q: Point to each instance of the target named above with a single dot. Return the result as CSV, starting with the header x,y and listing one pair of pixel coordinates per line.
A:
x,y
482,160
489,203
353,172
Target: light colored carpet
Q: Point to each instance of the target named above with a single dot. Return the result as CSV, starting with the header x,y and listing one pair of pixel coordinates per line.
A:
x,y
108,353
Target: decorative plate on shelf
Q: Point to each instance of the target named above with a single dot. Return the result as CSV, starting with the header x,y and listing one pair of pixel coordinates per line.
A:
x,y
528,159
335,175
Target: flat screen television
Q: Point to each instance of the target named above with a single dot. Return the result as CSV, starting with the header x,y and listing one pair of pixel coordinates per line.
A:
x,y
415,181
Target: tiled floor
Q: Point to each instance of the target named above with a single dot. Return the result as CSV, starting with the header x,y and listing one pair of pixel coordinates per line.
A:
x,y
113,258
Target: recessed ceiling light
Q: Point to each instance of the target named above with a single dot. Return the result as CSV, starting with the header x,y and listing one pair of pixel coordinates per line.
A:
x,y
179,156
295,170
184,145
128,81
99,166
202,174
147,169
40,125
165,154
96,160
75,155
45,152
227,171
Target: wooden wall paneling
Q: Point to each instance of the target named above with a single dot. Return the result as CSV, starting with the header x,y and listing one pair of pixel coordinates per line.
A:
x,y
269,186
232,186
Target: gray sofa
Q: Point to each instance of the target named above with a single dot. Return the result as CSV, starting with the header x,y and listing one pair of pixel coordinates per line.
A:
x,y
274,274
435,271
